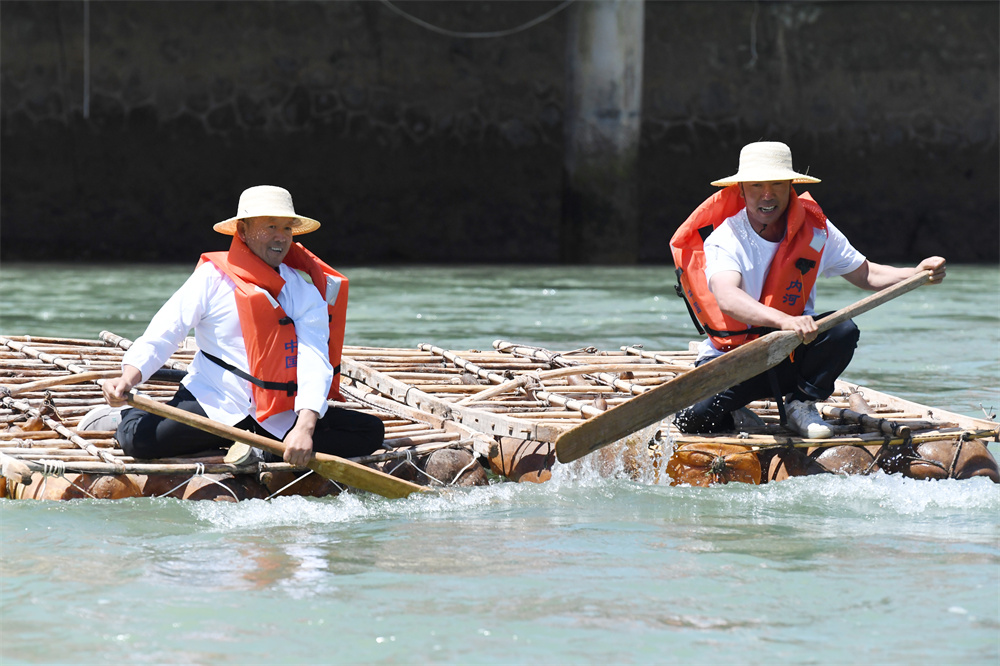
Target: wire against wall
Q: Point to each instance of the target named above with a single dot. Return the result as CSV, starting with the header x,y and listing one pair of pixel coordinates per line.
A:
x,y
478,35
86,58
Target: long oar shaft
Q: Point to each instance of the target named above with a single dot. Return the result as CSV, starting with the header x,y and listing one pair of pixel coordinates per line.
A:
x,y
731,368
326,465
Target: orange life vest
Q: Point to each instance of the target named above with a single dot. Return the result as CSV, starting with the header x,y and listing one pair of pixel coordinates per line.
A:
x,y
790,278
268,333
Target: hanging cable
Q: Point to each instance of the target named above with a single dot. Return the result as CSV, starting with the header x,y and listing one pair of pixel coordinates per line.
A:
x,y
753,37
478,35
86,59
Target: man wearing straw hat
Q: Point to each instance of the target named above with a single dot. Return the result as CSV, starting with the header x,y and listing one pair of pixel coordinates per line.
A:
x,y
747,261
268,318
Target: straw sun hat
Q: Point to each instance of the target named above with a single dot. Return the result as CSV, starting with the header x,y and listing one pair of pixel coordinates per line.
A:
x,y
765,161
267,201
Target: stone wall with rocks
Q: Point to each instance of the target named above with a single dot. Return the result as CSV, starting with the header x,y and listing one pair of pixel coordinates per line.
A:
x,y
125,142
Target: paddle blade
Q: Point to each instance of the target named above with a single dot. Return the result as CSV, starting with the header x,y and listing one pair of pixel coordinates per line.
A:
x,y
668,398
355,475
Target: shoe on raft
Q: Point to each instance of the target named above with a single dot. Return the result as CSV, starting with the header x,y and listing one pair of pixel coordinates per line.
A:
x,y
241,454
104,417
805,420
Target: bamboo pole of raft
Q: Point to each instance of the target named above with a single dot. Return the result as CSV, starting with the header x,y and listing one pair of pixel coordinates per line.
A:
x,y
59,448
410,440
41,340
735,366
479,420
99,352
92,467
884,426
777,442
935,413
560,360
55,440
665,359
533,376
114,340
43,356
479,441
419,450
74,367
586,408
38,434
54,425
21,471
60,381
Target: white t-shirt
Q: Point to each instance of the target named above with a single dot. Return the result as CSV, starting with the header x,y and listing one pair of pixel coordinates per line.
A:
x,y
735,246
206,302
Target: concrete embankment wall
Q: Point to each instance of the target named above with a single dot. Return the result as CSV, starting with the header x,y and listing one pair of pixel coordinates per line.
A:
x,y
127,140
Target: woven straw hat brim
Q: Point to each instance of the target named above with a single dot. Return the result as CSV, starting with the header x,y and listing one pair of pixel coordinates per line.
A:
x,y
303,225
764,162
765,177
267,201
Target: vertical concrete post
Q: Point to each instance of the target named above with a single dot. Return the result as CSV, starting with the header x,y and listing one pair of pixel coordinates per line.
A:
x,y
603,117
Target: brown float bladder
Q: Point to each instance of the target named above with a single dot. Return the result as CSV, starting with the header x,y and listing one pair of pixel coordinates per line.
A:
x,y
951,459
708,464
522,460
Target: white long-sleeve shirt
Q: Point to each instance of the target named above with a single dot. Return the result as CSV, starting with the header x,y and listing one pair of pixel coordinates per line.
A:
x,y
206,302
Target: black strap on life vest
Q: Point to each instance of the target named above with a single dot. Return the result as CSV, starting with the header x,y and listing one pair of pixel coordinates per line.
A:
x,y
704,328
680,292
289,387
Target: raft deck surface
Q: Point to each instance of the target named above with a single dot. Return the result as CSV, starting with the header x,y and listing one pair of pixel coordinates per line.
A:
x,y
487,402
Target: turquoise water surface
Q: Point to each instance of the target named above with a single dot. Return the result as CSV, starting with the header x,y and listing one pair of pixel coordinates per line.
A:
x,y
580,570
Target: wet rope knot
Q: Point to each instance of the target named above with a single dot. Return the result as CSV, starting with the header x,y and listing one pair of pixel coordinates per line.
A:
x,y
57,468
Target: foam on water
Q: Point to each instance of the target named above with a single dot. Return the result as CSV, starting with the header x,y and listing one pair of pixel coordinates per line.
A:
x,y
879,496
891,495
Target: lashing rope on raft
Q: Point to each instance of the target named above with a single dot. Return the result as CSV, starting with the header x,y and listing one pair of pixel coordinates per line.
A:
x,y
199,470
409,461
288,485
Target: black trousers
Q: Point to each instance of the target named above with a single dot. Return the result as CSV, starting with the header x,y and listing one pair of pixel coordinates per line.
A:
x,y
341,432
810,374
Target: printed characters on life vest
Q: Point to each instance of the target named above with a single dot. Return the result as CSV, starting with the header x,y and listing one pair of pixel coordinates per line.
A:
x,y
793,292
292,347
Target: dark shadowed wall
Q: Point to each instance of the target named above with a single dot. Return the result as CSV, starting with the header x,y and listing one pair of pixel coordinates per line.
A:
x,y
128,140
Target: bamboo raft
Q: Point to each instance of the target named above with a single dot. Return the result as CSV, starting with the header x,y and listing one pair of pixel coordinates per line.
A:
x,y
467,417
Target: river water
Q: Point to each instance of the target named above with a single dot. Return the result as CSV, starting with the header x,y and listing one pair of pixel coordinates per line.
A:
x,y
580,570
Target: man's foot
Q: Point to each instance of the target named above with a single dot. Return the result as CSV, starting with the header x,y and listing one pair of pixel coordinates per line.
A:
x,y
102,418
805,420
744,417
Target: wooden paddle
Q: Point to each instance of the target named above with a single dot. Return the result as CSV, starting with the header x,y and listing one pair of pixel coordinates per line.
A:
x,y
328,466
706,380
